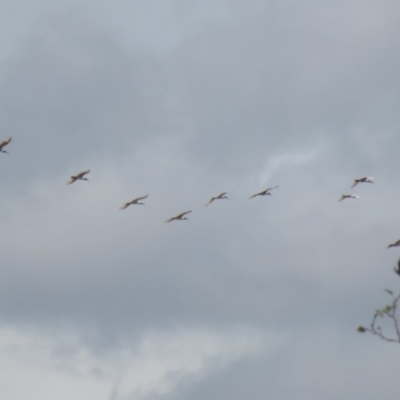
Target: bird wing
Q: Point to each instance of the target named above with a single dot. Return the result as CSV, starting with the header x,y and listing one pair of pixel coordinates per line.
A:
x,y
354,196
81,174
267,190
140,198
71,180
210,201
124,206
342,197
394,244
6,141
354,183
222,194
178,216
366,179
184,213
258,194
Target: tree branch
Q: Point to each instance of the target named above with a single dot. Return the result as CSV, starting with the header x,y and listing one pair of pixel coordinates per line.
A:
x,y
388,312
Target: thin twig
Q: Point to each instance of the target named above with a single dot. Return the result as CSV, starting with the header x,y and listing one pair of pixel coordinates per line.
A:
x,y
390,312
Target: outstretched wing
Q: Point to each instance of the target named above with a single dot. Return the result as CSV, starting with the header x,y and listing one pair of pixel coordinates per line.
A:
x,y
71,180
210,201
257,194
395,244
342,197
183,214
126,205
355,183
275,187
83,173
179,216
5,142
140,198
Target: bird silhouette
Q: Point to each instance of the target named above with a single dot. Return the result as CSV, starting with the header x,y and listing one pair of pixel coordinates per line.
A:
x,y
368,179
179,217
134,201
265,192
219,197
79,176
5,143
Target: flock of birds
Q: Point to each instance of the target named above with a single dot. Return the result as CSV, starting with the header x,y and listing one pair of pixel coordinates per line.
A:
x,y
179,217
182,216
81,176
136,201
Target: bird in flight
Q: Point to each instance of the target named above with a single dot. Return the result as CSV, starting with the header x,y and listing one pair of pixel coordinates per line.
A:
x,y
368,179
348,196
79,176
179,217
265,192
394,244
5,143
219,197
134,201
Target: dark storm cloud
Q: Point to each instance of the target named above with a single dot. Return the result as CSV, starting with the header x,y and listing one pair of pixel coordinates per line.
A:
x,y
231,98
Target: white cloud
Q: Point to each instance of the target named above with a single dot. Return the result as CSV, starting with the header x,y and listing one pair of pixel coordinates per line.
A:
x,y
59,366
296,159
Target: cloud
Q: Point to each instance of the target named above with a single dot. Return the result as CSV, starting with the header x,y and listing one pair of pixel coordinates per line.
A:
x,y
183,101
45,366
277,162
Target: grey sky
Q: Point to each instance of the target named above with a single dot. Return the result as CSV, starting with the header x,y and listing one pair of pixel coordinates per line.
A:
x,y
183,100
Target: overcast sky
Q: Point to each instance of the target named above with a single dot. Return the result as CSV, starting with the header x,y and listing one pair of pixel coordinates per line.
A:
x,y
184,99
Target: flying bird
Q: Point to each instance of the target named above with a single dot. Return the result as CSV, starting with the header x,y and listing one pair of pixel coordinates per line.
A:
x,y
368,179
180,217
348,196
265,192
5,143
79,176
395,244
134,201
219,197
397,270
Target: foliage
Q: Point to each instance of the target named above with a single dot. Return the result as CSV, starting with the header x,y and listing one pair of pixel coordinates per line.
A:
x,y
385,316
